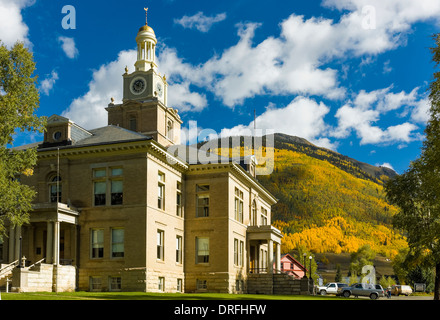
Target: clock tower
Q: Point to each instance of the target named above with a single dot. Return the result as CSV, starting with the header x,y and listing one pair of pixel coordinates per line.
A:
x,y
144,105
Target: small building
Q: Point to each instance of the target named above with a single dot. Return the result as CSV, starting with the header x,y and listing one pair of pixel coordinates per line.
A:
x,y
292,266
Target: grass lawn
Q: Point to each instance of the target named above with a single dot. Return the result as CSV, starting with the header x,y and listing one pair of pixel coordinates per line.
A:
x,y
154,296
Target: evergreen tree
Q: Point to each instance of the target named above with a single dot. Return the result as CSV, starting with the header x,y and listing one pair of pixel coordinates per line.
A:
x,y
338,276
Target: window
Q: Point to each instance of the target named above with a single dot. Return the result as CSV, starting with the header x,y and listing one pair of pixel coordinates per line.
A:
x,y
241,253
202,250
263,216
100,191
161,191
118,243
201,284
178,249
170,130
160,245
95,283
254,214
179,285
161,284
238,205
97,243
202,199
55,189
101,181
133,124
114,284
239,285
179,200
238,252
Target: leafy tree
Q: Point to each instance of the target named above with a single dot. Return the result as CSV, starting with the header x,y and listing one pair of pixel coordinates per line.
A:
x,y
417,191
18,101
363,257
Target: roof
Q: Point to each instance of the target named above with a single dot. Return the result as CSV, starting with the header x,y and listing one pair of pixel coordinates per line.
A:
x,y
110,134
100,136
288,256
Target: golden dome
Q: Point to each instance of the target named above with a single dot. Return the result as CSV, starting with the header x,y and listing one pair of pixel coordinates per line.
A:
x,y
146,28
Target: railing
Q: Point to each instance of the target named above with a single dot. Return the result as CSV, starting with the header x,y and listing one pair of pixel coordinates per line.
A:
x,y
36,263
257,270
8,268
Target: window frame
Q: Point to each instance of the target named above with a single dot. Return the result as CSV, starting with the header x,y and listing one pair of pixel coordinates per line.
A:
x,y
108,179
101,245
55,181
160,245
113,243
202,192
161,190
202,259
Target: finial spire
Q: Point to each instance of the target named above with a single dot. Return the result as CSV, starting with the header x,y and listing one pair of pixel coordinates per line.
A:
x,y
146,16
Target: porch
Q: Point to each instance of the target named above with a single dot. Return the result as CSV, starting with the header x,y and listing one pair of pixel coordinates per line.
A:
x,y
264,249
45,248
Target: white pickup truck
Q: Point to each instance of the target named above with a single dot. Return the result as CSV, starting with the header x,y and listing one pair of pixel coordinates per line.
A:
x,y
330,288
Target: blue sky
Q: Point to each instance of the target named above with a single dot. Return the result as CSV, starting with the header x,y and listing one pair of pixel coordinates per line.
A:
x,y
350,75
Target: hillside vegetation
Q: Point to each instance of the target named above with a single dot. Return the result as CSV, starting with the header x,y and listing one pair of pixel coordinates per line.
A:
x,y
328,202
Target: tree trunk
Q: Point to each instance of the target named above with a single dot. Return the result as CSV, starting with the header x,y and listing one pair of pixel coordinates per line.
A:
x,y
437,282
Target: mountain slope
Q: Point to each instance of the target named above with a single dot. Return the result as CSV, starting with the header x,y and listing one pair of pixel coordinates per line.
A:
x,y
329,202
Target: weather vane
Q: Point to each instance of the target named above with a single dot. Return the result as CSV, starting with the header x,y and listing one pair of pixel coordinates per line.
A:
x,y
146,16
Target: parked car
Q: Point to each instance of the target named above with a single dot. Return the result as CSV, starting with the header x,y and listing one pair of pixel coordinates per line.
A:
x,y
362,290
397,290
330,288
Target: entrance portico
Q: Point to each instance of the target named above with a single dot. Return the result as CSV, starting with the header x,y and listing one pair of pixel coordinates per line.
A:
x,y
51,234
260,242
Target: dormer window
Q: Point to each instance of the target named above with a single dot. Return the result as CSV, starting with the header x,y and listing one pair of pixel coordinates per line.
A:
x,y
57,136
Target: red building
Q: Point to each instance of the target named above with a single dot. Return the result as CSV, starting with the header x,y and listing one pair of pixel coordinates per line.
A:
x,y
292,266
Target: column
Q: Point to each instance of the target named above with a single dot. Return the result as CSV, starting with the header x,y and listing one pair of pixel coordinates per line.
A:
x,y
49,242
17,242
277,257
270,256
11,251
56,242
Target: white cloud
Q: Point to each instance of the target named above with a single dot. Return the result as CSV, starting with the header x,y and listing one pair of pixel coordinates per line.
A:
x,y
303,117
420,113
89,110
47,84
386,165
69,47
199,21
362,115
12,26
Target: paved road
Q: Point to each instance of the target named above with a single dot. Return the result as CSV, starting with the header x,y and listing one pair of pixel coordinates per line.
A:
x,y
393,298
409,298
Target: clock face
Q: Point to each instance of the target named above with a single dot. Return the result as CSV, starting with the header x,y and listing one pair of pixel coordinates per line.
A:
x,y
138,86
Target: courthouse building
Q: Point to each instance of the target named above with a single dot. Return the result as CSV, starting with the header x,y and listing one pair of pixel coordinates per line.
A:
x,y
115,211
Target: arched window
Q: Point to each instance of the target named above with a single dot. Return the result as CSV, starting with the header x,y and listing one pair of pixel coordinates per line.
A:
x,y
170,130
55,189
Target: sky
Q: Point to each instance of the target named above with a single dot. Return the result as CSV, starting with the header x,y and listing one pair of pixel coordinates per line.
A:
x,y
349,75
